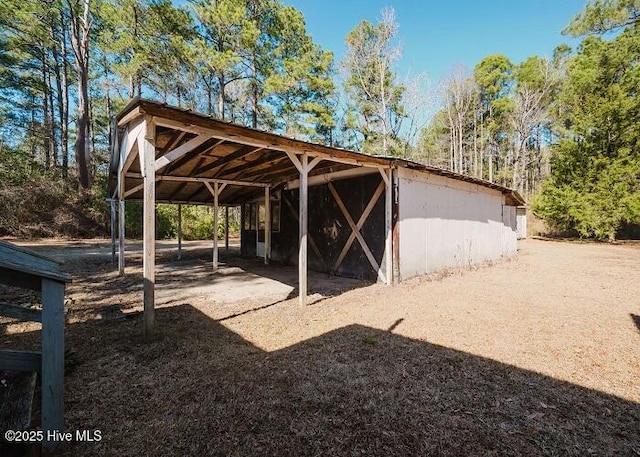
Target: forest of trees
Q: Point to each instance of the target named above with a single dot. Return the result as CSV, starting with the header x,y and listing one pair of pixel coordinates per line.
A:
x,y
563,130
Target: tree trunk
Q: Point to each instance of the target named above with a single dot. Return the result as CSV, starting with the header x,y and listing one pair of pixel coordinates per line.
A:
x,y
64,118
59,86
221,96
81,146
491,166
52,131
45,127
254,91
81,26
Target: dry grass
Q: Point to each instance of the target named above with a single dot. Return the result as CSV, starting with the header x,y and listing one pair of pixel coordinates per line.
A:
x,y
535,356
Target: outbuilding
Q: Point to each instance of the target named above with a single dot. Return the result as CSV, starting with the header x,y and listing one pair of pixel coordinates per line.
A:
x,y
323,208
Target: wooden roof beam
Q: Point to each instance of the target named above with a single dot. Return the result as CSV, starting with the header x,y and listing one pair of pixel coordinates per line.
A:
x,y
181,151
188,156
237,154
174,140
276,165
247,166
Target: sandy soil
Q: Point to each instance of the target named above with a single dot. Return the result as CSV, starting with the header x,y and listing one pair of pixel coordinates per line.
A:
x,y
539,355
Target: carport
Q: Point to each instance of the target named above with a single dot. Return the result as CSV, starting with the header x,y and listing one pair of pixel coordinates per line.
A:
x,y
164,154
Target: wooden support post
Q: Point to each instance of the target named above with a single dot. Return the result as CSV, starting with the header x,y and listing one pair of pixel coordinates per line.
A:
x,y
388,212
149,226
302,249
112,205
179,232
267,226
215,226
52,358
121,236
226,229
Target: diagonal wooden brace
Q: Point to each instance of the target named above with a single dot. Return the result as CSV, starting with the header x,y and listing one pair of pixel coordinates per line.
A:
x,y
355,228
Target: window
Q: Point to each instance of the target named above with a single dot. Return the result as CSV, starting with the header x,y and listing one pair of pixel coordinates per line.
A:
x,y
254,216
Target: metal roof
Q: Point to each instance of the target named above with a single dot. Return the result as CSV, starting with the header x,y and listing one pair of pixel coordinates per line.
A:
x,y
238,154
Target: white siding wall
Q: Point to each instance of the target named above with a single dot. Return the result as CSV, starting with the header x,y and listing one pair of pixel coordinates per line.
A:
x,y
449,223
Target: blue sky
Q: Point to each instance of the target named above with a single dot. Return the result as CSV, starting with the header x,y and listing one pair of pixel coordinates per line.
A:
x,y
436,35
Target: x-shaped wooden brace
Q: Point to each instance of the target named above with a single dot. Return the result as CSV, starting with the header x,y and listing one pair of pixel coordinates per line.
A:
x,y
355,228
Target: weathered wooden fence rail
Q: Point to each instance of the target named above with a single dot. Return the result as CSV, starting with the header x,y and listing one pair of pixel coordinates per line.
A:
x,y
22,268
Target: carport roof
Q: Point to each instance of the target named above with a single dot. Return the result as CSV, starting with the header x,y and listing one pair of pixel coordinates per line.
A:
x,y
193,149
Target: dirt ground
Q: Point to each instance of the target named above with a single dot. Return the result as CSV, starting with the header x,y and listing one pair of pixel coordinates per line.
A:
x,y
538,355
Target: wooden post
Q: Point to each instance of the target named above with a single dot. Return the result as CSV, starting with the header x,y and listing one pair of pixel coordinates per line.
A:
x,y
112,205
226,229
149,227
52,358
302,250
267,226
121,236
388,212
179,232
395,226
215,226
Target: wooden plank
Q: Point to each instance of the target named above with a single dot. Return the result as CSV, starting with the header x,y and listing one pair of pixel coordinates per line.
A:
x,y
134,130
52,358
267,226
296,161
212,190
334,176
20,312
395,226
361,221
180,151
20,259
357,233
184,184
238,154
203,180
16,400
215,224
149,229
141,142
122,148
275,165
20,360
313,163
303,225
134,189
191,155
129,116
173,141
247,166
226,229
112,225
388,224
312,243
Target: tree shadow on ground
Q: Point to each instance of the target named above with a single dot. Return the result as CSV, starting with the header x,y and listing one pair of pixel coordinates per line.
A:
x,y
200,389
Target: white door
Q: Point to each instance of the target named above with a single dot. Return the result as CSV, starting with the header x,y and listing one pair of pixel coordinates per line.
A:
x,y
260,230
